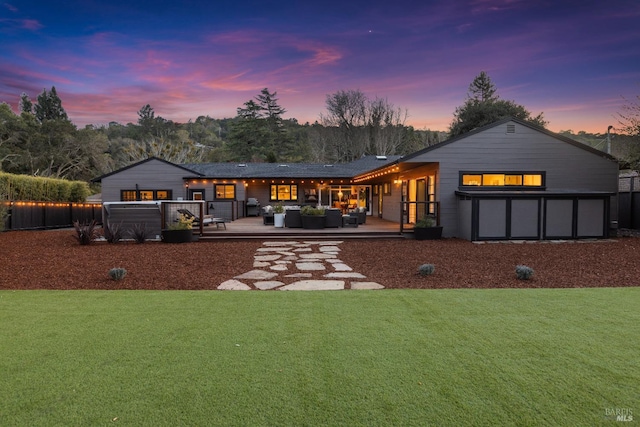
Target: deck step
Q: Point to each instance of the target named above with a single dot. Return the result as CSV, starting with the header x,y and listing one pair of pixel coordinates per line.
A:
x,y
300,236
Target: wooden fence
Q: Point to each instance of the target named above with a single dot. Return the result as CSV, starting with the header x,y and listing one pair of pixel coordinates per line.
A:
x,y
45,215
629,202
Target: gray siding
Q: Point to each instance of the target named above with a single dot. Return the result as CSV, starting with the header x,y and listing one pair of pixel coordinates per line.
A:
x,y
567,167
151,175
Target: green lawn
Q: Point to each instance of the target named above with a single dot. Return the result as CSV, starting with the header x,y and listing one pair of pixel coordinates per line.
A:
x,y
397,357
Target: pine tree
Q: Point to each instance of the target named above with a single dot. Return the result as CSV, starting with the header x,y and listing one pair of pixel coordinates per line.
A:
x,y
49,106
484,107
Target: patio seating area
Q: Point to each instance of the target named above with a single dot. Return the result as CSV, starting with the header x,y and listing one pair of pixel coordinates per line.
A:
x,y
258,228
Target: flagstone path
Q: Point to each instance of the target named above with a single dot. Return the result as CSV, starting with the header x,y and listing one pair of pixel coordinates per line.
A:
x,y
275,264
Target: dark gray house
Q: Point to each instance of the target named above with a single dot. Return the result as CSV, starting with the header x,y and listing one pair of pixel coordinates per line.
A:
x,y
507,180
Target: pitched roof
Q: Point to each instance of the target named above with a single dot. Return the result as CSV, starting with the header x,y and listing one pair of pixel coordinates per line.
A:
x,y
133,165
520,122
288,170
271,170
563,138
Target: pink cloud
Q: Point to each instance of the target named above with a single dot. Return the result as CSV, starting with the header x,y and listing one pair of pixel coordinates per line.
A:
x,y
11,7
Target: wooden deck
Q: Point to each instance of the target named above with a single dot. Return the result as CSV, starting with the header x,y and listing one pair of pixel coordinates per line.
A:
x,y
253,228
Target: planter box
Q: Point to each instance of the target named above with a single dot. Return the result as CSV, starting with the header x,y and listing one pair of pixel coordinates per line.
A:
x,y
178,236
313,222
278,220
429,233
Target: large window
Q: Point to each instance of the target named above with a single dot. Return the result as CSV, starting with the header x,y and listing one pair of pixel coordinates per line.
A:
x,y
143,195
225,191
283,192
508,179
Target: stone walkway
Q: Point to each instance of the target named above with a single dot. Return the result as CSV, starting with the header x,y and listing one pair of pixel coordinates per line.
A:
x,y
278,261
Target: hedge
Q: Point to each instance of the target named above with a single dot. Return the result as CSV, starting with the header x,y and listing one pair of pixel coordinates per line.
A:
x,y
36,188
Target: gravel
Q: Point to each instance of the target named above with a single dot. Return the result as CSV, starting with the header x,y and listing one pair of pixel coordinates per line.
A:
x,y
55,260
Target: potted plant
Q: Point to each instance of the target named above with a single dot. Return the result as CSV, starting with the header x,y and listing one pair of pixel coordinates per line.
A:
x,y
427,229
180,231
278,215
312,218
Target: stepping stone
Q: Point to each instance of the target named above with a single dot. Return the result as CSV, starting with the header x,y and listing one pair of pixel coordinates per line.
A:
x,y
233,285
279,267
316,256
267,257
314,285
305,249
290,258
334,261
341,267
292,243
366,285
329,249
256,275
287,253
310,266
300,245
263,286
283,262
274,249
345,275
259,264
299,275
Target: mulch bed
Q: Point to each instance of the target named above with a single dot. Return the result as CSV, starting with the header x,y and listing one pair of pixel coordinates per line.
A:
x,y
55,260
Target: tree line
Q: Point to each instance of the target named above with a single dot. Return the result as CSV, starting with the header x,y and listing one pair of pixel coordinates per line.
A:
x,y
41,140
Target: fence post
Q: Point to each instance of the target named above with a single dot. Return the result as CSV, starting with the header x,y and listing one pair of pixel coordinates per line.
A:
x,y
631,204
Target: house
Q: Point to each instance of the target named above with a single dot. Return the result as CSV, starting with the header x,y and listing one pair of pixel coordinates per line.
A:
x,y
507,180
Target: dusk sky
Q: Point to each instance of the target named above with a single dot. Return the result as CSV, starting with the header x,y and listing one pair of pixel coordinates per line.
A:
x,y
572,60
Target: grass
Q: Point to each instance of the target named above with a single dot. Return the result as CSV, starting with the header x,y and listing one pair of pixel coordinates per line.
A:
x,y
399,357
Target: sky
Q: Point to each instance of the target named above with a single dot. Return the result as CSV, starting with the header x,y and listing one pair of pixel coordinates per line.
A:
x,y
575,61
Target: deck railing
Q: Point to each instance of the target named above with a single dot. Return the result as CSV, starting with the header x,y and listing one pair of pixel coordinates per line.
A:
x,y
410,212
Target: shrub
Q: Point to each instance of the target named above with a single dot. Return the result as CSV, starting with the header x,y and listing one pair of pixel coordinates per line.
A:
x,y
310,210
183,223
427,221
426,269
139,232
117,273
113,232
4,214
523,272
86,233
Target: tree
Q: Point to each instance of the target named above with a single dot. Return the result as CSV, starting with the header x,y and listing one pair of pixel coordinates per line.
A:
x,y
13,134
26,106
258,133
483,107
356,126
629,120
482,88
49,106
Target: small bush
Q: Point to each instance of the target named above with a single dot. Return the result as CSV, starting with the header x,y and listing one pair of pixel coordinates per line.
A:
x,y
117,273
139,232
426,269
86,233
523,272
113,232
4,214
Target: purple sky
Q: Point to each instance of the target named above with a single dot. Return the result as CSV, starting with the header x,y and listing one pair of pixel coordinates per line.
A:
x,y
572,60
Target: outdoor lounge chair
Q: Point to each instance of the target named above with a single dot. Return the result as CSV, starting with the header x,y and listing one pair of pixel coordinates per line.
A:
x,y
206,220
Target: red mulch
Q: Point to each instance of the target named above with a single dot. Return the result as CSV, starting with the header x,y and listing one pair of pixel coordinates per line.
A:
x,y
55,260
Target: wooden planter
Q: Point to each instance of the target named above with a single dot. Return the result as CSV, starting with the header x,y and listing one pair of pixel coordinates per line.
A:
x,y
178,236
428,233
313,222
